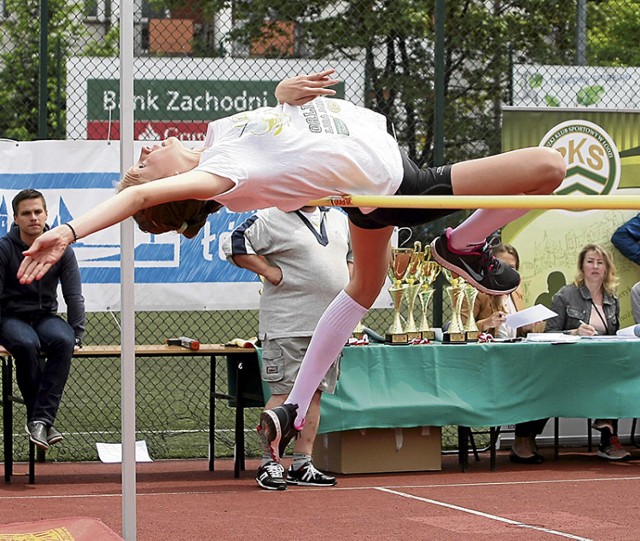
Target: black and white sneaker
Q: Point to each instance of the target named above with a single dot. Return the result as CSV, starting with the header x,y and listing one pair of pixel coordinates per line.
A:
x,y
276,428
270,476
309,476
478,266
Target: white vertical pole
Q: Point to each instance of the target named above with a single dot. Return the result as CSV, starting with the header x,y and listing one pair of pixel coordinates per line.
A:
x,y
127,361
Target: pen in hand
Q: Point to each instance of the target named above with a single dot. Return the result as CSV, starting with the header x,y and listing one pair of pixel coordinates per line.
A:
x,y
583,323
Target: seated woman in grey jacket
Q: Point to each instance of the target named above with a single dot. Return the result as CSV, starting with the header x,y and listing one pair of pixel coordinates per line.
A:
x,y
587,307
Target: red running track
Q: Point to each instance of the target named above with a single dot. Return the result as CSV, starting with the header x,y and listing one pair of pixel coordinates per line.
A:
x,y
577,496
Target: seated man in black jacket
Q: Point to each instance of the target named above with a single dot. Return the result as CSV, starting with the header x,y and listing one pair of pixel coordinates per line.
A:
x,y
29,323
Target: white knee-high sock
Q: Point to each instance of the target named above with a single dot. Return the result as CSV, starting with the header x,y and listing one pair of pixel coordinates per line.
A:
x,y
477,227
332,332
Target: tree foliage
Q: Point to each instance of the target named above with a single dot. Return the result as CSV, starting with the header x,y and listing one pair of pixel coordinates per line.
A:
x,y
20,65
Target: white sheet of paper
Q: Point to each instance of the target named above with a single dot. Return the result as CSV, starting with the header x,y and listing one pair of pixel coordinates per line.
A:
x,y
552,337
111,453
628,332
528,316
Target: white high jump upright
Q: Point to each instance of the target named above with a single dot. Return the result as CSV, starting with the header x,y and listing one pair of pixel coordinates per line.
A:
x,y
127,314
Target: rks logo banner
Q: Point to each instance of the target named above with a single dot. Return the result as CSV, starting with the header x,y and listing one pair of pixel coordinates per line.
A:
x,y
593,160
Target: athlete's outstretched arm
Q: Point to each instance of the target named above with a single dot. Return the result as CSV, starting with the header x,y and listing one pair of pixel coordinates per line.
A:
x,y
48,248
304,88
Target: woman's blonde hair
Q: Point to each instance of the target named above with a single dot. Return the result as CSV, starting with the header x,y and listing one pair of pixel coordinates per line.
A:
x,y
610,282
186,217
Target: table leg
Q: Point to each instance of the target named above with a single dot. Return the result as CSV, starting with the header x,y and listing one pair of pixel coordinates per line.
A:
x,y
7,418
239,398
212,413
32,464
494,434
463,447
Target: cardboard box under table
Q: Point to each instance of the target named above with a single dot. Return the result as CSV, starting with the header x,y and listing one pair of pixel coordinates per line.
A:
x,y
379,450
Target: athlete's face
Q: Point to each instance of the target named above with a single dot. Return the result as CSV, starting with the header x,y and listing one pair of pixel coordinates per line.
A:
x,y
160,160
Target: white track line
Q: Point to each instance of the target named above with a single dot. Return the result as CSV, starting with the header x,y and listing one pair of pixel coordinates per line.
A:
x,y
325,489
484,515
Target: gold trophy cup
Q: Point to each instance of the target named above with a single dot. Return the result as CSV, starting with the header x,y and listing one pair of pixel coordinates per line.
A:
x,y
455,291
413,279
471,328
398,267
430,271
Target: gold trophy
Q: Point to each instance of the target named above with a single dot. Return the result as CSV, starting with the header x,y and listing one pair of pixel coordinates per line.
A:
x,y
455,291
358,332
413,279
430,271
471,328
398,267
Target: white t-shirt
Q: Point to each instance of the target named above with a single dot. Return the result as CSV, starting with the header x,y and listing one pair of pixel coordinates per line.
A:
x,y
285,156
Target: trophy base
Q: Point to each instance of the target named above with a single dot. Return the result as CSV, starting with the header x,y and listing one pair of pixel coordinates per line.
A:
x,y
396,339
429,335
358,335
414,335
453,338
472,336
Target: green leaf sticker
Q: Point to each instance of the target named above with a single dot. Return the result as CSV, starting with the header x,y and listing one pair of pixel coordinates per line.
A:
x,y
590,95
535,81
552,101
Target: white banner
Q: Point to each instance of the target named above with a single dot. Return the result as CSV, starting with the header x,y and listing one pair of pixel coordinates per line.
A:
x,y
593,87
172,272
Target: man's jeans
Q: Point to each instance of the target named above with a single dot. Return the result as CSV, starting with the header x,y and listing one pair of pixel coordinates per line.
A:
x,y
41,383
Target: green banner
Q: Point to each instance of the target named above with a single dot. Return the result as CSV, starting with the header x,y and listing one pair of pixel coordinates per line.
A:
x,y
182,100
602,153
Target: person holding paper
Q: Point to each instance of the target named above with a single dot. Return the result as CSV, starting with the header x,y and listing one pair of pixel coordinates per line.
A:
x,y
587,307
492,311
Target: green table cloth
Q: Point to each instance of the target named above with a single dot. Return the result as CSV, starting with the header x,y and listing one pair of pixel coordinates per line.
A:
x,y
482,384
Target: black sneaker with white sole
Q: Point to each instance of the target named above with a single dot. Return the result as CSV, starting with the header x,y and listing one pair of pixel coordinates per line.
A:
x,y
276,428
478,266
270,476
309,476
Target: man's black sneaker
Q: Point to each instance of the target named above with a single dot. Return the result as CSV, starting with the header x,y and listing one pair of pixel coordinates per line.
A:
x,y
270,476
477,266
276,428
308,476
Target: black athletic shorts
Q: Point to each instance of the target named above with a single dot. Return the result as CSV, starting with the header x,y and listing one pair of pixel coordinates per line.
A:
x,y
415,181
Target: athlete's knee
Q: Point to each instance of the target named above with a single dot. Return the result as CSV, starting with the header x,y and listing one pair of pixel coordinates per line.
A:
x,y
364,293
552,168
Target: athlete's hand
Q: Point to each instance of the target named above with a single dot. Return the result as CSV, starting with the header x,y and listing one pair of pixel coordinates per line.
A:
x,y
46,250
303,88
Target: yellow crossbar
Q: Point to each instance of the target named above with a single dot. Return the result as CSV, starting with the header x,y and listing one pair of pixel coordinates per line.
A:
x,y
568,202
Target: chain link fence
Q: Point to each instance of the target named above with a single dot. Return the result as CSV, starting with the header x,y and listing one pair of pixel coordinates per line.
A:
x,y
441,71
